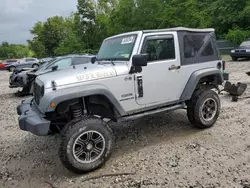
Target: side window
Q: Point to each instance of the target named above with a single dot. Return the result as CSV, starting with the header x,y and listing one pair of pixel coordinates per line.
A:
x,y
208,50
11,61
192,45
63,63
80,60
159,49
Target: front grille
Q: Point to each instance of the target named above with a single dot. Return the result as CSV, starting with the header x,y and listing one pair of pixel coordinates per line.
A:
x,y
38,92
240,50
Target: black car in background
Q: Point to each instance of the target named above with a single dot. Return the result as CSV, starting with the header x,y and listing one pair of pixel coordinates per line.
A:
x,y
243,51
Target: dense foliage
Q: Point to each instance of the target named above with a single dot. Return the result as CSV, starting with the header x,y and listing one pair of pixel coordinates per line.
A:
x,y
8,51
84,30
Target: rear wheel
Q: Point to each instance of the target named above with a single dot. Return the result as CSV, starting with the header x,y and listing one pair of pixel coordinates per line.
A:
x,y
35,66
204,108
86,144
234,58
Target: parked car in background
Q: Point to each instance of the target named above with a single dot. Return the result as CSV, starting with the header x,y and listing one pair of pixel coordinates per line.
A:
x,y
2,66
243,51
23,63
25,77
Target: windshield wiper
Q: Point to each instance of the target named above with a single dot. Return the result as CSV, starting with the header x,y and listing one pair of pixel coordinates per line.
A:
x,y
108,60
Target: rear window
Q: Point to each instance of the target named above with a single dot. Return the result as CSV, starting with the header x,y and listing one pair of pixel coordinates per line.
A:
x,y
192,45
30,59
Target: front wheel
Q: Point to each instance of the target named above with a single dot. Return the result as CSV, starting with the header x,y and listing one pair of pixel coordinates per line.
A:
x,y
12,68
234,58
204,108
86,144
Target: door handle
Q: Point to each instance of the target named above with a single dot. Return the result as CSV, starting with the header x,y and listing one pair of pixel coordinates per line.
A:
x,y
173,67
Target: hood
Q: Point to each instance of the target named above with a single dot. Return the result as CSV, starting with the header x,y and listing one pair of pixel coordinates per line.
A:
x,y
242,48
82,73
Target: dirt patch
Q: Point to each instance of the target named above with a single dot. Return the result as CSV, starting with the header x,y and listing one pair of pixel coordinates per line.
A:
x,y
164,150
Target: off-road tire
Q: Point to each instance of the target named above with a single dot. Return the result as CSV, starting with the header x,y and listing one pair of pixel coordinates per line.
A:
x,y
69,135
195,104
234,58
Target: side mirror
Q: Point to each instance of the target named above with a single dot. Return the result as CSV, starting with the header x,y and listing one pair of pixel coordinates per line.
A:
x,y
93,59
54,68
140,60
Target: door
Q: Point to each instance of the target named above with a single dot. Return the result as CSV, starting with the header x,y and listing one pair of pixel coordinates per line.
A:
x,y
22,63
160,77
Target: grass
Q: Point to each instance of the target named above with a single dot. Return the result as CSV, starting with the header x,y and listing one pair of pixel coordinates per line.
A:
x,y
226,57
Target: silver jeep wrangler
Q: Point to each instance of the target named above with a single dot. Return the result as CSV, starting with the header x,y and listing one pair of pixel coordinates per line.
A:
x,y
134,74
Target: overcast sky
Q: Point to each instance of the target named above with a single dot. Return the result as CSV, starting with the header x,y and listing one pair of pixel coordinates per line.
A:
x,y
17,17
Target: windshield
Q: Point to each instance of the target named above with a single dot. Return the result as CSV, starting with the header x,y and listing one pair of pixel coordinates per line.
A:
x,y
119,48
245,43
45,65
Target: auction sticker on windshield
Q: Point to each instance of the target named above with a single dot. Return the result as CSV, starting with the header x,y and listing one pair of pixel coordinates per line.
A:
x,y
128,40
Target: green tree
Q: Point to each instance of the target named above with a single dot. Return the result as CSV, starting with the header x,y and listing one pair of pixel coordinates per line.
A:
x,y
13,51
37,42
94,20
237,36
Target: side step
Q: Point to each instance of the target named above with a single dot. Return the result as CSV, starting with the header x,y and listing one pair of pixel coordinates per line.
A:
x,y
155,111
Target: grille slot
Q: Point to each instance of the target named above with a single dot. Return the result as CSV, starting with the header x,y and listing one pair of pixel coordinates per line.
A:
x,y
38,92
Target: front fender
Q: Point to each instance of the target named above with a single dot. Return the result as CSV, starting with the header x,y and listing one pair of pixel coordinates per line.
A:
x,y
61,95
196,77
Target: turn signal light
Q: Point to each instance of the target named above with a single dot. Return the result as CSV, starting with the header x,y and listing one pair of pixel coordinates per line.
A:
x,y
52,105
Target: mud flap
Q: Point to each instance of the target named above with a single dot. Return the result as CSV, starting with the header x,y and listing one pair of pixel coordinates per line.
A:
x,y
235,90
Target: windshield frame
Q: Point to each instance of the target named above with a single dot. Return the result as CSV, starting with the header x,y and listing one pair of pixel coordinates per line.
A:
x,y
119,58
247,41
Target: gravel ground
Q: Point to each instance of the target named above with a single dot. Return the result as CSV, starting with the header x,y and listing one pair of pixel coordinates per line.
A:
x,y
162,150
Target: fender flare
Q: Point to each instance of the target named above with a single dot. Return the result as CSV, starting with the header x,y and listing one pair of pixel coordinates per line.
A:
x,y
195,78
61,95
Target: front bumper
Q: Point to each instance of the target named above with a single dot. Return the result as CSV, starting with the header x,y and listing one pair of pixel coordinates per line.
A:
x,y
31,120
12,83
16,80
240,54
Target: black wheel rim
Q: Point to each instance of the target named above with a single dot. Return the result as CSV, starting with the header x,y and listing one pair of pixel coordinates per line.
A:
x,y
88,147
209,109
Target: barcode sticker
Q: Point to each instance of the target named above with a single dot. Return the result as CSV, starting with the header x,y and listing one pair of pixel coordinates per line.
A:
x,y
128,40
